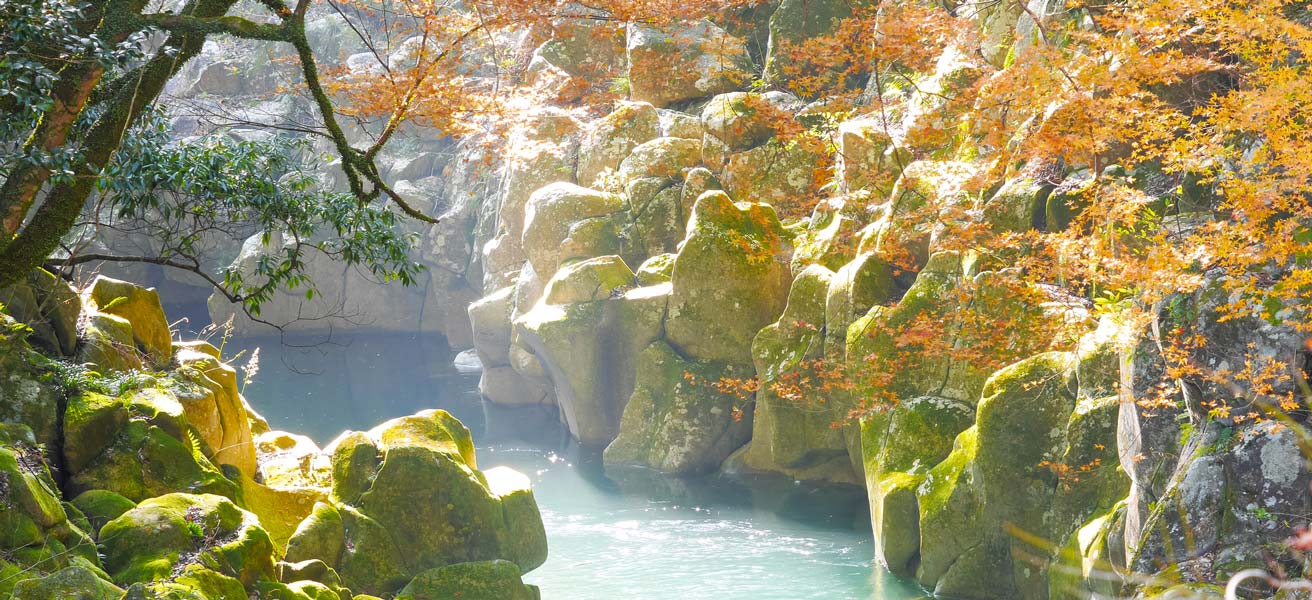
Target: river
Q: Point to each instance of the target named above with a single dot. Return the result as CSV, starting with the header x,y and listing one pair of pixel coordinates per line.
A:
x,y
615,535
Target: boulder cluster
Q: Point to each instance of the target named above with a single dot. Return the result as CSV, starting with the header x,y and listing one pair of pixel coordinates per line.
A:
x,y
131,466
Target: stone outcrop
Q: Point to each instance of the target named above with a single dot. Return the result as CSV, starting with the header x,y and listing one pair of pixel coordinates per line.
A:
x,y
176,488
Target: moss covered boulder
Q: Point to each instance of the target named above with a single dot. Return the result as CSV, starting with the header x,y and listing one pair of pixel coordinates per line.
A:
x,y
779,174
550,214
214,407
665,157
684,61
899,447
138,446
408,498
38,534
588,331
162,536
678,420
734,261
140,307
71,583
108,345
25,399
608,141
796,429
486,580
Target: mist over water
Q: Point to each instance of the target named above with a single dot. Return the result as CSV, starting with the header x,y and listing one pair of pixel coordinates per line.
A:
x,y
612,535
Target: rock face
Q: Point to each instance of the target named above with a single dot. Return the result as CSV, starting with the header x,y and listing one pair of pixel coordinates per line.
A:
x,y
734,260
177,489
690,61
677,421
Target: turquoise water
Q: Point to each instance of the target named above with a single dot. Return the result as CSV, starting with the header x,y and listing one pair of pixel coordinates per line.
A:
x,y
612,535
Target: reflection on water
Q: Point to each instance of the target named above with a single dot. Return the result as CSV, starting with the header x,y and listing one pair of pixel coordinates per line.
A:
x,y
612,534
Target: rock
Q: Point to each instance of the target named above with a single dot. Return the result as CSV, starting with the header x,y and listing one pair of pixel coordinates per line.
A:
x,y
552,211
381,537
72,583
102,506
176,530
656,270
688,61
108,344
795,22
677,421
543,151
831,236
666,157
680,125
899,447
488,580
742,120
699,181
858,286
214,407
735,260
588,331
506,387
490,318
993,477
784,176
24,399
1017,206
138,446
607,142
37,536
868,158
658,220
290,461
140,307
795,426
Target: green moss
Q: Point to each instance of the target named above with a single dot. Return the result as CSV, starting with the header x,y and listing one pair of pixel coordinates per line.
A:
x,y
491,580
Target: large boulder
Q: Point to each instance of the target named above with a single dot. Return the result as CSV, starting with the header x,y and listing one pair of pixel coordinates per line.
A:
x,y
38,534
665,157
551,216
407,498
684,62
140,307
734,261
795,22
679,420
71,583
163,535
214,407
487,580
24,398
138,445
608,141
797,423
588,330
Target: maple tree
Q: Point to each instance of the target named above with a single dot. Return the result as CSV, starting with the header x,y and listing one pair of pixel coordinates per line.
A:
x,y
82,80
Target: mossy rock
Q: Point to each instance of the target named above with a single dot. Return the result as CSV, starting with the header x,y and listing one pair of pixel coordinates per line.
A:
x,y
789,434
677,421
796,21
590,346
108,344
607,142
487,580
141,308
550,213
139,446
742,120
734,259
684,61
27,398
666,158
102,506
776,174
384,536
164,535
656,270
72,583
215,408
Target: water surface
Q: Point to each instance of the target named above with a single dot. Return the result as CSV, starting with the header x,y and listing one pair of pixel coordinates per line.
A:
x,y
611,535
